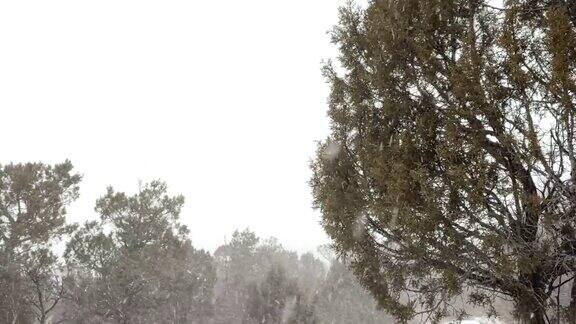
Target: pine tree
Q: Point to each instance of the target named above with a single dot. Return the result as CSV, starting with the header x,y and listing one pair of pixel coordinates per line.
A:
x,y
137,263
33,200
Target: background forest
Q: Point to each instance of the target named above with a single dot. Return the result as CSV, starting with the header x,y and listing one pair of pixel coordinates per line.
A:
x,y
136,263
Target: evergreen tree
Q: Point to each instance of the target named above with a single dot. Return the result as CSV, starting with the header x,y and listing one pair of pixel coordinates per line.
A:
x,y
277,299
138,264
341,299
33,200
451,166
260,282
236,266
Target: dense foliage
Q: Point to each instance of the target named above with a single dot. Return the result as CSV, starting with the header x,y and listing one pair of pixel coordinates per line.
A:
x,y
451,166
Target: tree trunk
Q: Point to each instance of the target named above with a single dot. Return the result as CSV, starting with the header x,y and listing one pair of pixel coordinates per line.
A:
x,y
572,309
534,316
531,299
538,318
531,305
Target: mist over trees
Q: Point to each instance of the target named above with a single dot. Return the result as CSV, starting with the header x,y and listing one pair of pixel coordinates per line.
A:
x,y
136,263
450,169
447,185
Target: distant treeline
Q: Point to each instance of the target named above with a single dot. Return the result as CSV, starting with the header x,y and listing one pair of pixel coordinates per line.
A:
x,y
136,263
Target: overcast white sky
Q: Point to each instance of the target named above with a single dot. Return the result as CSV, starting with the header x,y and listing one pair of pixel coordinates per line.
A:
x,y
221,99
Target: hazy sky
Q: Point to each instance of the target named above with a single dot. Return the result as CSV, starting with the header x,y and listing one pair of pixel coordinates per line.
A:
x,y
223,100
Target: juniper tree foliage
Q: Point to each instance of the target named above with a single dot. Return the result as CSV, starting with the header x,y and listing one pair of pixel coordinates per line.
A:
x,y
450,167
